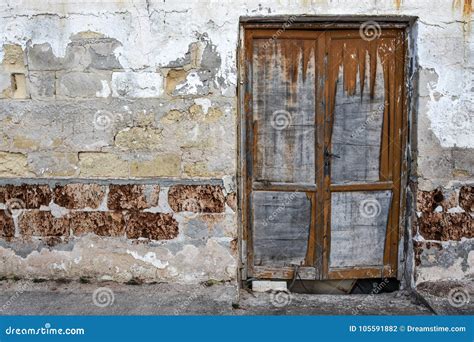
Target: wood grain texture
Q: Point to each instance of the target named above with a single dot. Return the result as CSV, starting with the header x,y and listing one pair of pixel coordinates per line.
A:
x,y
281,223
358,228
358,113
284,101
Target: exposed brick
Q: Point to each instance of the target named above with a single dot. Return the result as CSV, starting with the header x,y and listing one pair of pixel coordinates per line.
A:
x,y
31,196
79,196
231,200
153,226
197,198
419,247
427,201
98,222
52,240
132,197
444,227
7,228
43,223
466,198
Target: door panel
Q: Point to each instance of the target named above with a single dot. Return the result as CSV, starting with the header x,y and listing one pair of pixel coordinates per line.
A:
x,y
358,117
358,228
284,90
363,90
281,222
323,118
282,151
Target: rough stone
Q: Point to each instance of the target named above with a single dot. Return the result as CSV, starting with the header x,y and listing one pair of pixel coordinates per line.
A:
x,y
427,201
7,227
79,196
102,54
94,164
132,197
210,115
42,223
30,196
19,89
466,198
444,227
173,116
173,78
139,138
196,198
200,169
97,222
446,260
24,143
42,84
133,84
13,58
231,200
161,166
5,85
42,58
81,84
153,226
53,164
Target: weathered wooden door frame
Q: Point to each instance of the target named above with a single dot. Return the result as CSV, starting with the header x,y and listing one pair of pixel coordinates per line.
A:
x,y
284,25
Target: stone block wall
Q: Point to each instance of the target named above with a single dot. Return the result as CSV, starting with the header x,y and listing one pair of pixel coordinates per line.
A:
x,y
444,234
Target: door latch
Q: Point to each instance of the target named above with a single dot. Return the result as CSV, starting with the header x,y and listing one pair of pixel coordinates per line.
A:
x,y
328,154
327,160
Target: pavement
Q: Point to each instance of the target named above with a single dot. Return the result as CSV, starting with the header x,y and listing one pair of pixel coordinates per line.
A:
x,y
23,297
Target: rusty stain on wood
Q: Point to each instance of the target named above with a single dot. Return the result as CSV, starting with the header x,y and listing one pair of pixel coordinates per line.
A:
x,y
466,8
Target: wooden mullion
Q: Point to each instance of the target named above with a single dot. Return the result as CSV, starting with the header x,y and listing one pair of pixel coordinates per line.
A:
x,y
249,153
329,95
266,272
355,273
277,186
362,186
311,247
399,129
320,111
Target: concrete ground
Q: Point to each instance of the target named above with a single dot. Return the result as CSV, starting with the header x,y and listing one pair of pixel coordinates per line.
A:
x,y
108,298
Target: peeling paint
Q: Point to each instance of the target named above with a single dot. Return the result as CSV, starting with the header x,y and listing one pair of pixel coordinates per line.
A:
x,y
149,258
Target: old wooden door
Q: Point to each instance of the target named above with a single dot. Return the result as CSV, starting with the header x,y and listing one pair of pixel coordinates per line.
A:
x,y
322,131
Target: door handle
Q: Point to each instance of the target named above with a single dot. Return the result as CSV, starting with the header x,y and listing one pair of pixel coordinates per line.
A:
x,y
328,154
